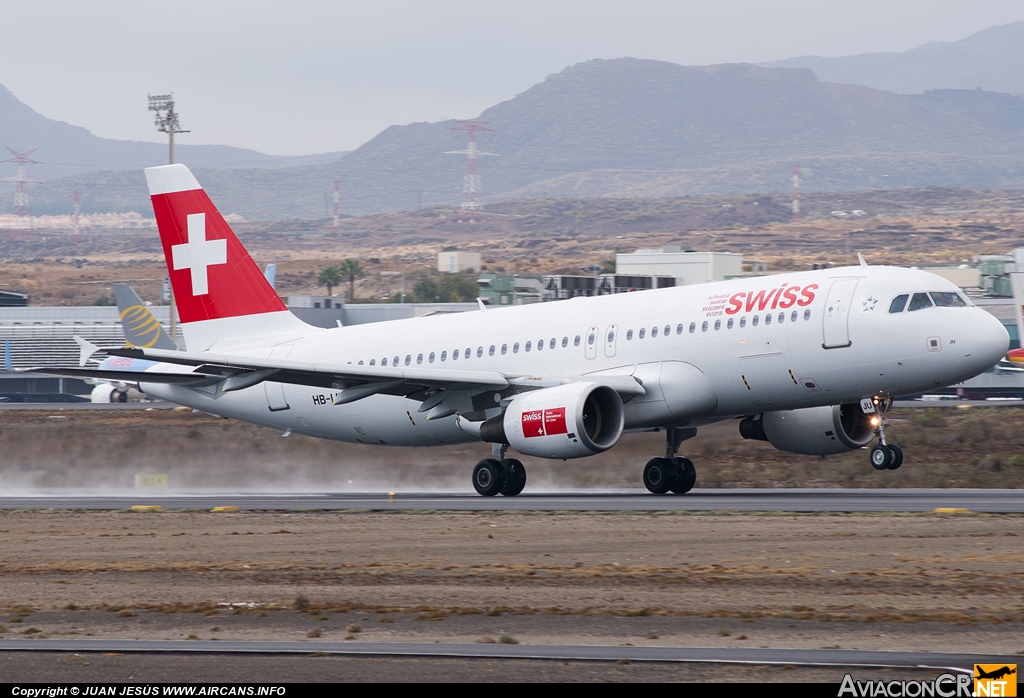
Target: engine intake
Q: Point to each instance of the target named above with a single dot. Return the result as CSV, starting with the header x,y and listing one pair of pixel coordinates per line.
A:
x,y
566,421
813,431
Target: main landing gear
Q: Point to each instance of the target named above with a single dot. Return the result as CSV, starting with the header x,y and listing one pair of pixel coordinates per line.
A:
x,y
671,473
884,456
504,476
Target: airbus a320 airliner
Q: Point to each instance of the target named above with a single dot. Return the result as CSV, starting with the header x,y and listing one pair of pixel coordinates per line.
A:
x,y
807,361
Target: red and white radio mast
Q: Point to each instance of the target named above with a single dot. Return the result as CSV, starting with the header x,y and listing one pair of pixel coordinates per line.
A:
x,y
21,207
471,182
796,192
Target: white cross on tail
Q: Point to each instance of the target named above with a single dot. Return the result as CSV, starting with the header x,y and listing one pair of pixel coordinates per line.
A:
x,y
199,253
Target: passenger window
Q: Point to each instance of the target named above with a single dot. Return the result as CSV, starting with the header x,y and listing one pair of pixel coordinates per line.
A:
x,y
540,344
455,355
668,330
360,362
490,352
919,301
629,335
576,342
373,362
384,362
946,299
743,321
408,359
611,337
654,331
419,358
807,314
792,316
552,344
444,356
430,359
504,349
718,324
753,321
693,327
768,319
565,342
479,352
679,328
529,345
899,303
728,323
515,348
590,338
643,332
395,362
704,326
782,317
469,352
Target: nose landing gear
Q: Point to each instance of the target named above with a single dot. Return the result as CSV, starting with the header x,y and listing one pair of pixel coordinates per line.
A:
x,y
884,456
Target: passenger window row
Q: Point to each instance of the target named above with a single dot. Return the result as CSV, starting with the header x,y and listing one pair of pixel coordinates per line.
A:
x,y
554,342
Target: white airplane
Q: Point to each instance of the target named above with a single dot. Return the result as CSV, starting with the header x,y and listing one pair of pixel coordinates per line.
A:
x,y
808,361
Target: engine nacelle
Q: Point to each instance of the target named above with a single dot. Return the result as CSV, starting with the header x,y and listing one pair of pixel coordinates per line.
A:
x,y
813,431
566,421
107,392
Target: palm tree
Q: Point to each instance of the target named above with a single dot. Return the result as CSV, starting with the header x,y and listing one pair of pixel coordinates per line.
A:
x,y
352,269
330,277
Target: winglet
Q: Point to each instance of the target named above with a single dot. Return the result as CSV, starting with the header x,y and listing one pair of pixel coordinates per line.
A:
x,y
861,258
85,350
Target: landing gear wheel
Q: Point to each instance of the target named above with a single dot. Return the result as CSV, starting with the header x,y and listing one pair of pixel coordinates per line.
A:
x,y
488,477
686,475
659,475
515,477
881,456
897,457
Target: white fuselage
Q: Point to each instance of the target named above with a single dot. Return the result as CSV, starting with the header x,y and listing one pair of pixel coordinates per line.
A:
x,y
835,344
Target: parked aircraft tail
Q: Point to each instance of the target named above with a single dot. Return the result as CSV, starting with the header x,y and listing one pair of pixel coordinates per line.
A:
x,y
222,297
141,329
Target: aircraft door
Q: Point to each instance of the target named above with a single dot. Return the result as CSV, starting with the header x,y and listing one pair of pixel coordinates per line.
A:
x,y
276,400
610,337
591,342
835,325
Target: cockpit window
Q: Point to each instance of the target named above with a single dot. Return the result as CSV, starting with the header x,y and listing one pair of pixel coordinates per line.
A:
x,y
947,299
920,300
899,303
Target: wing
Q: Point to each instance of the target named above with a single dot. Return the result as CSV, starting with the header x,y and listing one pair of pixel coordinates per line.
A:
x,y
440,391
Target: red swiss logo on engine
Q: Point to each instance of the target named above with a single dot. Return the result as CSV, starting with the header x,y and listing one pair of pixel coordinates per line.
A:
x,y
544,422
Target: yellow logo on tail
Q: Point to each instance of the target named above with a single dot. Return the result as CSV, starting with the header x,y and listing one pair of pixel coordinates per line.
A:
x,y
141,329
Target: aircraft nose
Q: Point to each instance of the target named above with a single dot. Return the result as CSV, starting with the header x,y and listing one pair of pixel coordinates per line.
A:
x,y
983,339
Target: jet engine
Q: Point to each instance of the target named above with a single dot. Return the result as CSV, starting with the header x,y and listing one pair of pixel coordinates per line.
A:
x,y
813,431
107,392
566,421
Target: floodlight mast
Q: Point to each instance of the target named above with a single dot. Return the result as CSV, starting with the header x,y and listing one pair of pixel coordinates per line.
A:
x,y
166,118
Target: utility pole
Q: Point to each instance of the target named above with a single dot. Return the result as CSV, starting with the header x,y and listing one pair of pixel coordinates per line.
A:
x,y
471,181
166,118
167,122
21,207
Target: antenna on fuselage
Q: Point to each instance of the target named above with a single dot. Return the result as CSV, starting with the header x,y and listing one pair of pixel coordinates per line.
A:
x,y
861,258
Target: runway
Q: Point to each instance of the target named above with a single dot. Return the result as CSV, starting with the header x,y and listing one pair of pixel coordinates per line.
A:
x,y
722,655
781,500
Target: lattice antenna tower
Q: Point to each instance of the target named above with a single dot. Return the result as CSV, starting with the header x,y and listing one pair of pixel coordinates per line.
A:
x,y
22,160
337,198
471,182
796,192
166,118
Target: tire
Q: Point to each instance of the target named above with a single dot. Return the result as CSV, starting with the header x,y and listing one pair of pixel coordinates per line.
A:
x,y
488,477
686,476
659,475
880,456
515,477
897,457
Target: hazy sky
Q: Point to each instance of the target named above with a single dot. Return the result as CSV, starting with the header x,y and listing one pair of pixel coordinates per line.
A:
x,y
308,76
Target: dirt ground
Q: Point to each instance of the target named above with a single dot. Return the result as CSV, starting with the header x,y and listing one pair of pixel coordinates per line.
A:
x,y
102,451
906,582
